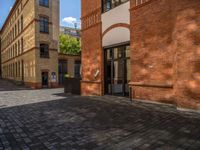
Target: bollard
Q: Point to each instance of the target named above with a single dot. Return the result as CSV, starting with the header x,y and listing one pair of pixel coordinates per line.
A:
x,y
130,93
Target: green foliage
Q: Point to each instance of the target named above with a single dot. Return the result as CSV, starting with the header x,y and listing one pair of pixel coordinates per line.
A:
x,y
69,45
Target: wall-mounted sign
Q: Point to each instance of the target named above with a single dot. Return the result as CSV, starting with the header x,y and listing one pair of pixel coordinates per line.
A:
x,y
53,77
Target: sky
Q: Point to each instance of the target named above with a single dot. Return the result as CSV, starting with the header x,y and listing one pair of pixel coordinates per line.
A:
x,y
69,11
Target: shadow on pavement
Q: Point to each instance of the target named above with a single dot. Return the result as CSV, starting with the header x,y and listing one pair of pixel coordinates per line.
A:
x,y
6,85
86,123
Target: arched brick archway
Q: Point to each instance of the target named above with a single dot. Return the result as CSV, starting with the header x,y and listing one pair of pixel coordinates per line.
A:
x,y
116,26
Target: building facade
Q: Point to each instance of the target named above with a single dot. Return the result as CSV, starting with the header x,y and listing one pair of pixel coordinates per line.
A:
x,y
69,65
29,43
148,49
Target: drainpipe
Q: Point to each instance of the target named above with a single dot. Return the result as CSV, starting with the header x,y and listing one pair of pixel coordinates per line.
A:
x,y
0,61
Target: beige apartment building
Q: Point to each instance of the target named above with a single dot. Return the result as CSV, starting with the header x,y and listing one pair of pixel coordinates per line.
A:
x,y
29,43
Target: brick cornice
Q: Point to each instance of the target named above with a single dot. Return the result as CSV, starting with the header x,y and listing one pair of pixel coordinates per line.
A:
x,y
33,48
141,5
93,12
99,23
155,85
61,54
90,20
53,49
92,82
20,55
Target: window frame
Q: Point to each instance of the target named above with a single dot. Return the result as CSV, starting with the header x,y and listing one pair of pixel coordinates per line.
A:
x,y
43,3
111,5
44,24
43,53
22,23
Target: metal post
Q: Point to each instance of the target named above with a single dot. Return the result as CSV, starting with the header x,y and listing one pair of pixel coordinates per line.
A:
x,y
130,94
0,61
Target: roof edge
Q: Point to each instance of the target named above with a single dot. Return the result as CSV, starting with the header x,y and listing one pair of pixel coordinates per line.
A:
x,y
11,11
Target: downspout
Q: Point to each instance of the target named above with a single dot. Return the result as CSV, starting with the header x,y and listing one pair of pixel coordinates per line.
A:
x,y
0,61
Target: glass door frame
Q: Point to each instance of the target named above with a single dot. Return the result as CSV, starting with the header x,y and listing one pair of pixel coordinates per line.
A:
x,y
112,60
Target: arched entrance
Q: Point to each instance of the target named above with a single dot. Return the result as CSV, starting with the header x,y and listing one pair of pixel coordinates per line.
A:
x,y
116,60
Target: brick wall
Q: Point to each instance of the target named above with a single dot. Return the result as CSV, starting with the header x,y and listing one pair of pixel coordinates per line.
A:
x,y
92,54
165,51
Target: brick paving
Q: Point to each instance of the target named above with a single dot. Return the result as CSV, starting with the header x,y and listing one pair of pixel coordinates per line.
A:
x,y
48,119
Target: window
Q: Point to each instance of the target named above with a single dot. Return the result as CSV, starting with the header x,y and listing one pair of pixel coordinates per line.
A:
x,y
18,25
19,51
110,4
16,72
15,30
18,68
15,54
44,50
22,23
44,24
22,45
77,68
44,3
106,5
13,33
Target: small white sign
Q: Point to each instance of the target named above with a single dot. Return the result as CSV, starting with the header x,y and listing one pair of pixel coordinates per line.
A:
x,y
53,77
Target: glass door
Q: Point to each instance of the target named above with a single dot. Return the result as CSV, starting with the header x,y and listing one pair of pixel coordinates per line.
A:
x,y
117,70
108,71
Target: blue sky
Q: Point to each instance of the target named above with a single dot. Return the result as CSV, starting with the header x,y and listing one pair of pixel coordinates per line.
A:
x,y
69,11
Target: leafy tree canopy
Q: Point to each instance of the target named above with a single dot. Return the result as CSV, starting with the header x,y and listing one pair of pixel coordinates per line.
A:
x,y
69,45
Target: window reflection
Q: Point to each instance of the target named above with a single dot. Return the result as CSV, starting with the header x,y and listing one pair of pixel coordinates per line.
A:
x,y
110,4
117,73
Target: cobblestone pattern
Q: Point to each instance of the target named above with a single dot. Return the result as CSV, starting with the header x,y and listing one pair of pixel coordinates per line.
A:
x,y
47,119
12,95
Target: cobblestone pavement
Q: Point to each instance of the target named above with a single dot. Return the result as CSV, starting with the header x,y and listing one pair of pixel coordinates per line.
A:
x,y
48,119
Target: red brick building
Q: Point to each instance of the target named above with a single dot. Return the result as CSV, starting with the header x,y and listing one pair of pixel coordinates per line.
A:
x,y
152,46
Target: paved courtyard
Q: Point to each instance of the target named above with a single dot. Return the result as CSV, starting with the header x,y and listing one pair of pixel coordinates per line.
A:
x,y
49,119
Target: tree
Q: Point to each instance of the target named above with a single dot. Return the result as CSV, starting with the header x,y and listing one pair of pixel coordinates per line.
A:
x,y
69,45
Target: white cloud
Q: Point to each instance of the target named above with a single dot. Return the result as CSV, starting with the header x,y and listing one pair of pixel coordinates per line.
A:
x,y
70,20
